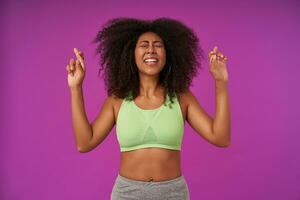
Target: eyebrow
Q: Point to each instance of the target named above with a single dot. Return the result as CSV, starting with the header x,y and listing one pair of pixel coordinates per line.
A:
x,y
153,41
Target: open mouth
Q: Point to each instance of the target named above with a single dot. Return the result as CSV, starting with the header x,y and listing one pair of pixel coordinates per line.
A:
x,y
151,61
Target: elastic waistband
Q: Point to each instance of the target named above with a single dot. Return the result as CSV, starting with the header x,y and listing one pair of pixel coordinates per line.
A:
x,y
139,182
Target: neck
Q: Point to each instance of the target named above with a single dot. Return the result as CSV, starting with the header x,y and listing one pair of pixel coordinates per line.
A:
x,y
149,87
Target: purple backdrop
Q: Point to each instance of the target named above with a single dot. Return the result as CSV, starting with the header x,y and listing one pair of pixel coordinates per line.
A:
x,y
39,159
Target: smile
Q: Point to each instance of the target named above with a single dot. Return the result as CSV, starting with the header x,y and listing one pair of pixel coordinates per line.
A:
x,y
151,61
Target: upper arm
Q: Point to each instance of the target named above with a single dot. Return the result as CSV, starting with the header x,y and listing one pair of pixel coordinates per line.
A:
x,y
198,118
103,123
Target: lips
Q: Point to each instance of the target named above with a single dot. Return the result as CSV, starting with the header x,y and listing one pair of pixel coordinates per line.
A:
x,y
151,60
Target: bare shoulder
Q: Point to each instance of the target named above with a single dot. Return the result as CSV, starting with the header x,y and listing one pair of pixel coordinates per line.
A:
x,y
186,97
112,99
116,103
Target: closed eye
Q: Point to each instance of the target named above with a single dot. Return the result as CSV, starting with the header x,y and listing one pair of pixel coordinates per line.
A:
x,y
146,45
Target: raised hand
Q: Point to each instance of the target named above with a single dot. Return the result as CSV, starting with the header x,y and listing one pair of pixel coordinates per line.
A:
x,y
217,62
76,70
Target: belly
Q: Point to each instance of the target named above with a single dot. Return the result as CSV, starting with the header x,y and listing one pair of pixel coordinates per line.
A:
x,y
150,163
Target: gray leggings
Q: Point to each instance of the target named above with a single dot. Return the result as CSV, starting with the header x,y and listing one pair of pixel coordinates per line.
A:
x,y
129,189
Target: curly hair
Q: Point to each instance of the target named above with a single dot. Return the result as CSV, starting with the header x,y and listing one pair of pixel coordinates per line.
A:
x,y
117,40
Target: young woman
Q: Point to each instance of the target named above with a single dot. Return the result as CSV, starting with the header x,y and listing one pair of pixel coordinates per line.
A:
x,y
148,68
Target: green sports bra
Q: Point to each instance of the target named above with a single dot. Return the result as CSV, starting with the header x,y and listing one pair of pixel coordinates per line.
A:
x,y
138,128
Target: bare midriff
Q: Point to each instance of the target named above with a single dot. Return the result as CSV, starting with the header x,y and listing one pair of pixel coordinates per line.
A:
x,y
150,164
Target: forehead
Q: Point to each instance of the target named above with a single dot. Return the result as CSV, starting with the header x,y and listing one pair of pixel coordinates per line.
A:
x,y
149,36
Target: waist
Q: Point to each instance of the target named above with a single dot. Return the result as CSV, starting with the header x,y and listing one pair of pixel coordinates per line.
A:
x,y
179,178
152,164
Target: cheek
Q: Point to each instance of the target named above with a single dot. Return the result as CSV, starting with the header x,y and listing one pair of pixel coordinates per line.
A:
x,y
138,56
163,56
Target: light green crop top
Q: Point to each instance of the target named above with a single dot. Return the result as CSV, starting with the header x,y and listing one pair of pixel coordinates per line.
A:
x,y
141,128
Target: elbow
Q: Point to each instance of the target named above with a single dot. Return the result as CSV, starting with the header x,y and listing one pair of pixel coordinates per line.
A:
x,y
82,149
223,144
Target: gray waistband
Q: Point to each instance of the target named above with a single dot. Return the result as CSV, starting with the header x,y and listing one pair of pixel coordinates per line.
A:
x,y
139,182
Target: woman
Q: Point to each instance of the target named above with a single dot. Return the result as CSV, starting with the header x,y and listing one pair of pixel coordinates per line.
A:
x,y
148,67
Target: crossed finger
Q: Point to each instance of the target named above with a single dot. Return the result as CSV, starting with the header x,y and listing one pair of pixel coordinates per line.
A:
x,y
79,56
217,55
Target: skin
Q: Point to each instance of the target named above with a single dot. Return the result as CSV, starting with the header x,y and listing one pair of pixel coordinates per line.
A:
x,y
149,45
157,164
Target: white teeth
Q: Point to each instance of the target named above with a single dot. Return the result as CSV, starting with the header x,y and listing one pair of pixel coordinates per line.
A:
x,y
151,60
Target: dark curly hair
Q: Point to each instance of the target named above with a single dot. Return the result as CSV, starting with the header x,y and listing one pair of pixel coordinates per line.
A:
x,y
117,40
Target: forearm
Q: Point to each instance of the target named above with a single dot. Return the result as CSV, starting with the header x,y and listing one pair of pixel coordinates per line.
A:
x,y
221,122
81,127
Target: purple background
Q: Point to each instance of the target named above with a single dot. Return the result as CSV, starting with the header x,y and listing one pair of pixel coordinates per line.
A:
x,y
39,159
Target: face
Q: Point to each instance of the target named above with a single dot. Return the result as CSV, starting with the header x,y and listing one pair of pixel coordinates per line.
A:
x,y
150,53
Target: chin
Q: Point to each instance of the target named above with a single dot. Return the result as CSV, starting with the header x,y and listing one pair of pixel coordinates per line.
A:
x,y
151,72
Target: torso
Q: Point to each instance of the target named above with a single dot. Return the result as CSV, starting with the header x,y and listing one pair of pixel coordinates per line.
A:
x,y
145,164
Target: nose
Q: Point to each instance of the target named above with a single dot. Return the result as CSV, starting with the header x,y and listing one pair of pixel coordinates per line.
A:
x,y
150,49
